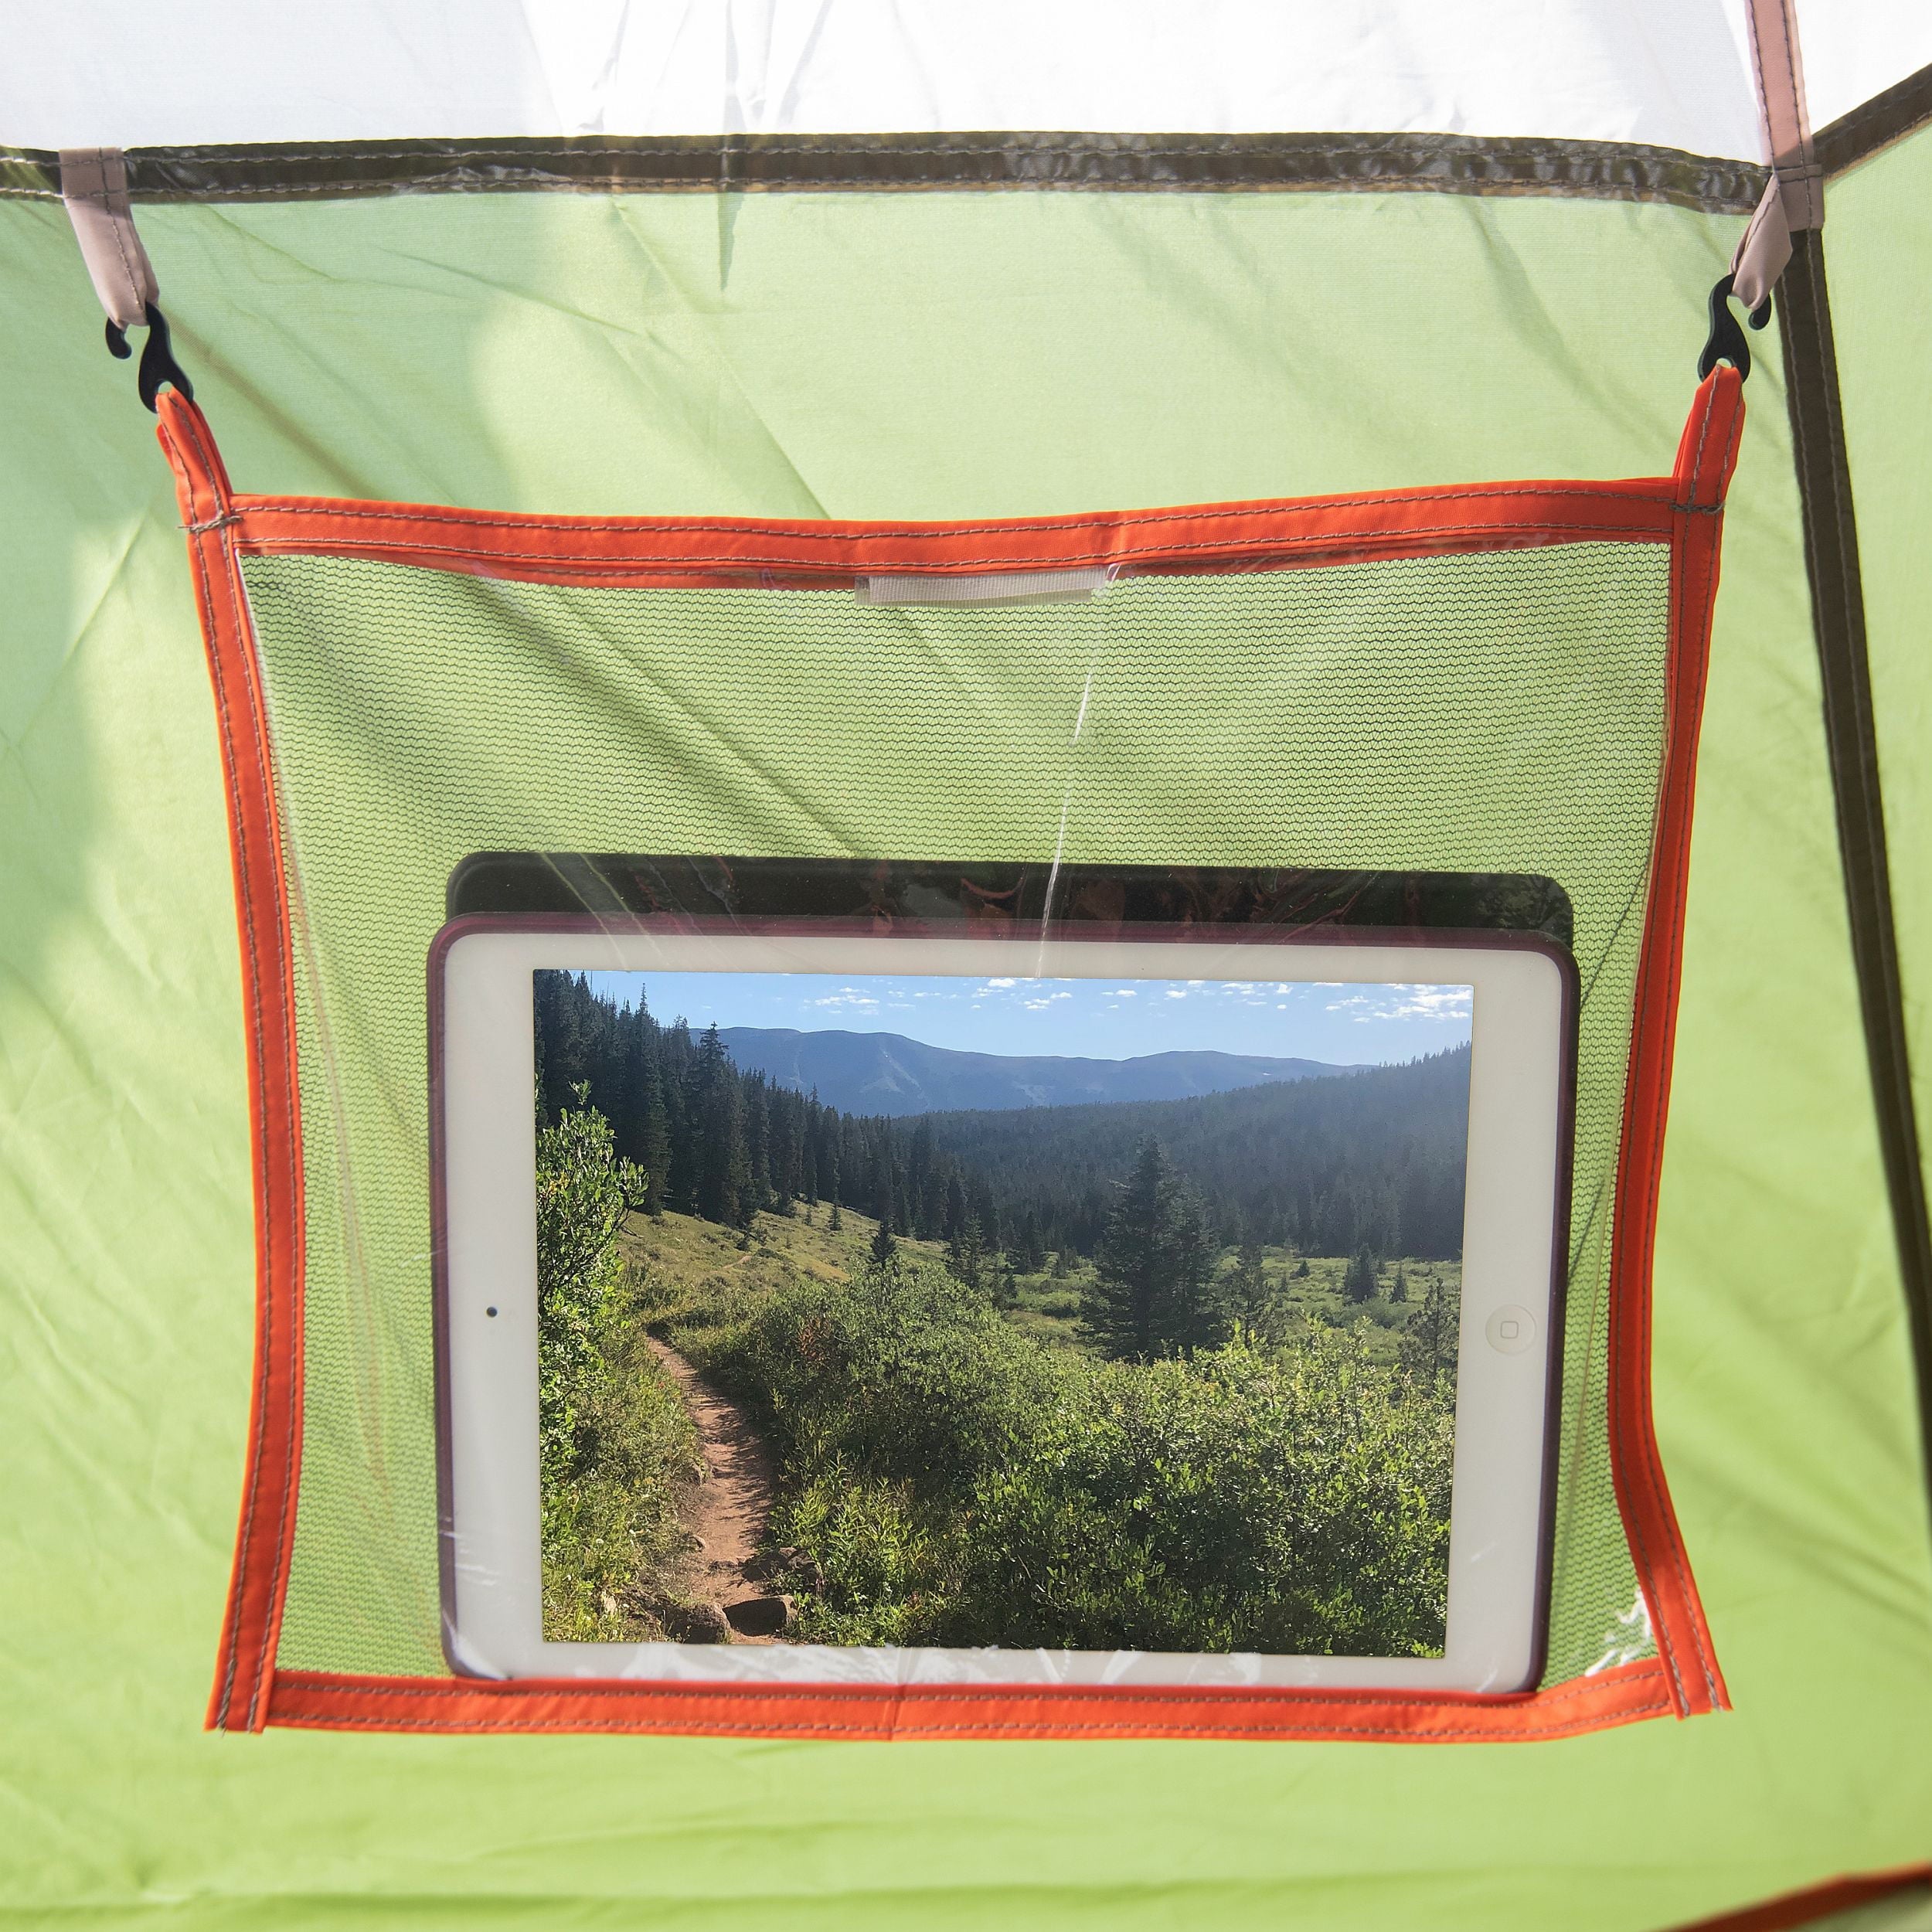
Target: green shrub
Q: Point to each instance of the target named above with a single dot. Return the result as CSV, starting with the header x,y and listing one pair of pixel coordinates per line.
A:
x,y
611,1531
1294,1502
904,1373
947,1480
616,1442
881,1566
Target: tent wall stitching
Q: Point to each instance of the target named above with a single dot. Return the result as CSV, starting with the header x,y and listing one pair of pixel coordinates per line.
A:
x,y
1903,108
1090,162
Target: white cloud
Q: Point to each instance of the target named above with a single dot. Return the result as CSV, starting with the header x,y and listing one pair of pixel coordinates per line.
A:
x,y
1434,1002
1001,983
1045,1001
849,998
1177,992
1444,1004
1127,992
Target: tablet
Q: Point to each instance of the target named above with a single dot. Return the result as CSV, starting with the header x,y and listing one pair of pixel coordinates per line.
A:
x,y
825,1301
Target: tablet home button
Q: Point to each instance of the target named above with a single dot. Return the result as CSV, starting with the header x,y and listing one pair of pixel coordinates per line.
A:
x,y
1510,1330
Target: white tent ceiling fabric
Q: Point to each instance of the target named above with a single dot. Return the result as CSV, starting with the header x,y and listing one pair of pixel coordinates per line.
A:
x,y
1672,73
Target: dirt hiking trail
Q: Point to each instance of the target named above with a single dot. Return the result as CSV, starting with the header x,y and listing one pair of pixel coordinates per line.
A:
x,y
729,1510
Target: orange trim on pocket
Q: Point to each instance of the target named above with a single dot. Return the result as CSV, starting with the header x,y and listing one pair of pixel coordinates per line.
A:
x,y
725,551
260,1580
1684,510
1705,461
329,1702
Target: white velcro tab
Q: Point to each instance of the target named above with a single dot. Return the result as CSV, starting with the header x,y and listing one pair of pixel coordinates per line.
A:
x,y
1004,587
93,184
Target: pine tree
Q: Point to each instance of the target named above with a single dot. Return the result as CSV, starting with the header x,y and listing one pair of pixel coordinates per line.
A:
x,y
722,1177
984,1209
787,1141
654,1150
1429,1340
1359,1281
966,1254
756,1186
883,1253
921,1194
1152,1267
1398,1288
1251,1296
808,1138
1031,1255
681,1119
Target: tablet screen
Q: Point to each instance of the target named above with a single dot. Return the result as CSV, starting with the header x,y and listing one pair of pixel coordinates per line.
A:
x,y
825,1298
1106,1313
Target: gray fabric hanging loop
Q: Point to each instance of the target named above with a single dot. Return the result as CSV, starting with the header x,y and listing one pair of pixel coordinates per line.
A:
x,y
93,186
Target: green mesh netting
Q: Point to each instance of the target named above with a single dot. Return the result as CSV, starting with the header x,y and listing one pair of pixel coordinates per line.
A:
x,y
1502,712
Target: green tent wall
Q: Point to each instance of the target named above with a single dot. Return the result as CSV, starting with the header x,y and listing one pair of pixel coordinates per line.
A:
x,y
936,355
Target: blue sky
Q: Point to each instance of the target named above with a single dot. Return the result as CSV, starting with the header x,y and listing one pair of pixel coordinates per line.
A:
x,y
1101,1019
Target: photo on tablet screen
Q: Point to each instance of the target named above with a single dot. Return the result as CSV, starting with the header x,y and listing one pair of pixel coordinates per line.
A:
x,y
923,1310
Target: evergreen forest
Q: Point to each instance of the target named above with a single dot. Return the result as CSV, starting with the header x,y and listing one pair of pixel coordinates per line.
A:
x,y
1371,1159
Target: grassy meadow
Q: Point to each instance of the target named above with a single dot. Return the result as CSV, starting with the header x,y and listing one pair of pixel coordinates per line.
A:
x,y
964,1467
703,1262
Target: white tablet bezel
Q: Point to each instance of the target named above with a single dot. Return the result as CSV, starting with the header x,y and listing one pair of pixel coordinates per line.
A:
x,y
483,1154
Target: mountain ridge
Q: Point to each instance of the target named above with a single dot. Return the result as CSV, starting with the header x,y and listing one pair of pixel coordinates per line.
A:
x,y
891,1074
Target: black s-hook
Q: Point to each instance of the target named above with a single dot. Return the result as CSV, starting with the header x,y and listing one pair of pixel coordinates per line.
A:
x,y
157,363
1725,343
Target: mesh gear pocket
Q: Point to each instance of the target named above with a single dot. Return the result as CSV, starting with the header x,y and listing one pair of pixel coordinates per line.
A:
x,y
1487,680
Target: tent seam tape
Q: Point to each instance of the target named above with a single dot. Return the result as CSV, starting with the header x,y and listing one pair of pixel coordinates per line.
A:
x,y
1830,537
